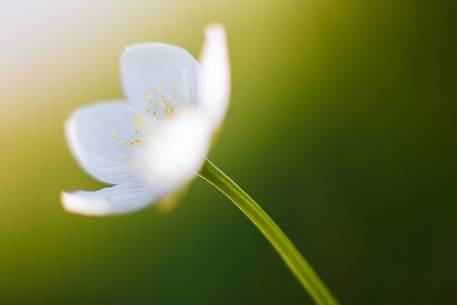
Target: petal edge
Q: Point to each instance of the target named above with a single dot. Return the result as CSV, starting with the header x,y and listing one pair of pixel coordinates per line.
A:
x,y
118,199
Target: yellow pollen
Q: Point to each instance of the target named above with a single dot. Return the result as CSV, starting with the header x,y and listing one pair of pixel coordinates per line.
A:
x,y
153,113
165,107
114,137
137,141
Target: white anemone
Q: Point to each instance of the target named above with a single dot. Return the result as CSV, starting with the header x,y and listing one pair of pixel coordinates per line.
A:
x,y
155,141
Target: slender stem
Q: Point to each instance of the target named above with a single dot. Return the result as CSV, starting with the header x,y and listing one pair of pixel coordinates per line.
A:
x,y
289,253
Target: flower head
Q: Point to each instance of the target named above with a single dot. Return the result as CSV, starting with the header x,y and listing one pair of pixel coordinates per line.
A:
x,y
156,140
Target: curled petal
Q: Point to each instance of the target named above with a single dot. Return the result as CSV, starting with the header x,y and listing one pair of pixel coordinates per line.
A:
x,y
214,81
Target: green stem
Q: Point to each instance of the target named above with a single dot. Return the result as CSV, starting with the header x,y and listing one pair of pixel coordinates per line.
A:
x,y
289,253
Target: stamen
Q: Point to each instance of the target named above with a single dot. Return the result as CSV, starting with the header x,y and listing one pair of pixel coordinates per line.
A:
x,y
168,109
164,106
115,137
137,141
153,113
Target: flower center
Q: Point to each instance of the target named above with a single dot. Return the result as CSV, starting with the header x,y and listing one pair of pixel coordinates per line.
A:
x,y
158,106
159,103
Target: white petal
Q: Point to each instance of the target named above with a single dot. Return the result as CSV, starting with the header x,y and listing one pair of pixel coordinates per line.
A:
x,y
99,137
214,82
156,73
175,150
118,199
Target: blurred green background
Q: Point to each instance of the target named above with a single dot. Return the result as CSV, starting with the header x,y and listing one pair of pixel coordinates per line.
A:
x,y
342,124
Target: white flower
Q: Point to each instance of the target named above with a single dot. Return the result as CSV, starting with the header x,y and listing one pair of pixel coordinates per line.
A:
x,y
156,141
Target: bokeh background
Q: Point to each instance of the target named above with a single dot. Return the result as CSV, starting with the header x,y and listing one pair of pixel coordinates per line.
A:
x,y
342,124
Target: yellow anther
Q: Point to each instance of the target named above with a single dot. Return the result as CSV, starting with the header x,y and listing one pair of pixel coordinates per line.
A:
x,y
114,137
153,113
